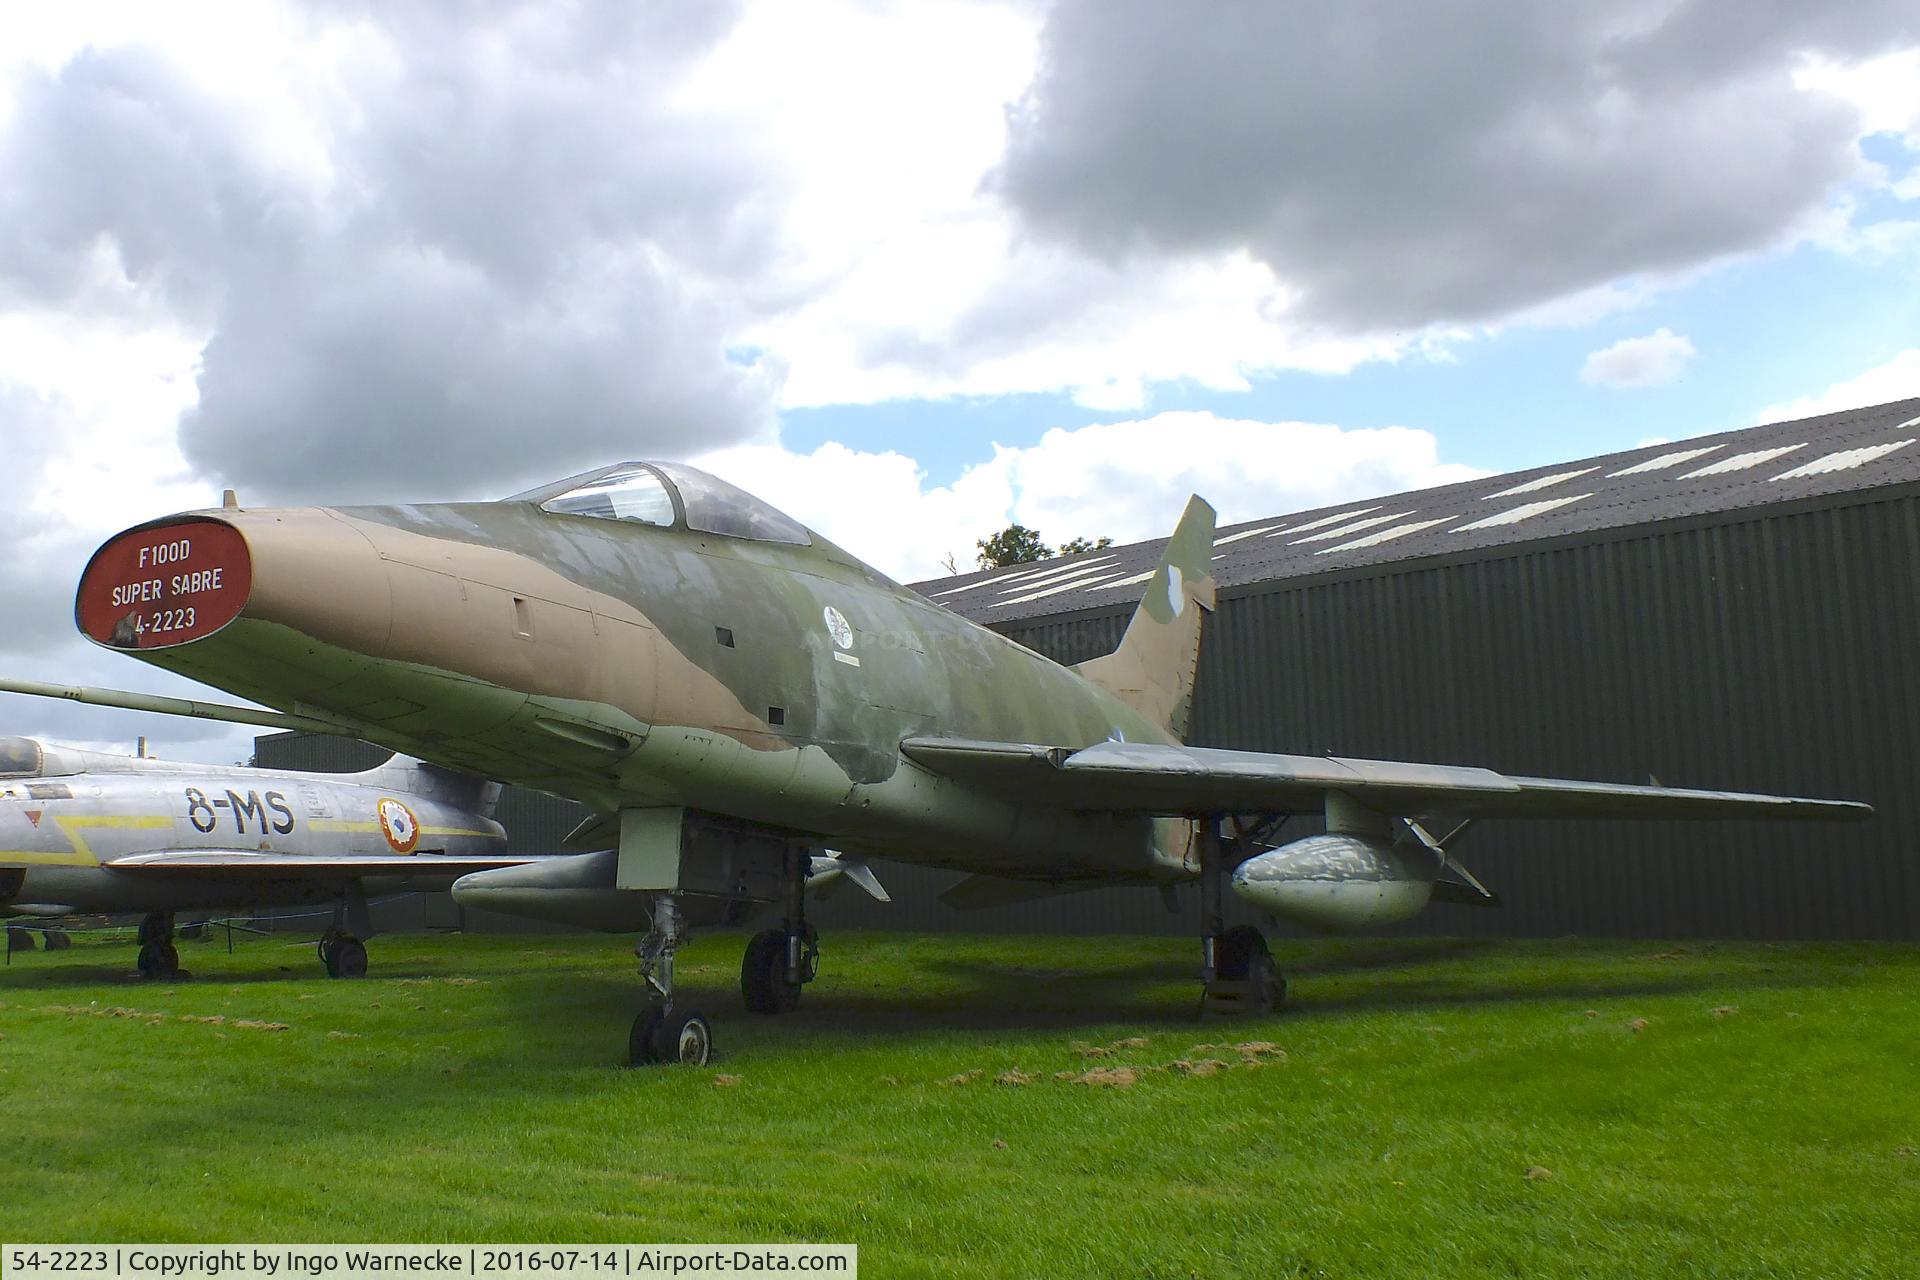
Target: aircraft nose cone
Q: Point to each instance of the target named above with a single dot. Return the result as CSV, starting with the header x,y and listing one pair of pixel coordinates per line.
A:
x,y
164,584
180,580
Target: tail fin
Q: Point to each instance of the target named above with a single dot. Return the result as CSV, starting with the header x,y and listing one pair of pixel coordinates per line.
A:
x,y
436,782
1152,670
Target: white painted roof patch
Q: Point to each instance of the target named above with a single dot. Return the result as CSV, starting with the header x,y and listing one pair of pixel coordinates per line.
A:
x,y
1663,462
1742,461
1844,460
1543,482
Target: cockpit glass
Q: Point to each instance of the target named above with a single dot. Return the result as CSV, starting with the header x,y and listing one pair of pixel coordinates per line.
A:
x,y
714,506
627,493
20,758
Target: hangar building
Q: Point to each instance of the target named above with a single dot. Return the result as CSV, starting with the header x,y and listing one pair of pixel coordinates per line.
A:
x,y
1735,611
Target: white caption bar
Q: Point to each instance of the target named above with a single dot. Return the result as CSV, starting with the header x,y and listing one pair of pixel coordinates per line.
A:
x,y
470,1262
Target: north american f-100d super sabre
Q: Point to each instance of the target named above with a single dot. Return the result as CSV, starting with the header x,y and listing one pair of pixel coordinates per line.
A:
x,y
730,691
85,832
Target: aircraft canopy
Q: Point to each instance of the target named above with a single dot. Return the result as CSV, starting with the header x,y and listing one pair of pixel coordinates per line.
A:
x,y
665,494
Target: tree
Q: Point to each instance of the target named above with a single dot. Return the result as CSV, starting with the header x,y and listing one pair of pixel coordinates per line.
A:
x,y
1081,545
1015,544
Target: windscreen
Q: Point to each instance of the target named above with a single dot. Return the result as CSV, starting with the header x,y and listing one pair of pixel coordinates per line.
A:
x,y
20,758
634,492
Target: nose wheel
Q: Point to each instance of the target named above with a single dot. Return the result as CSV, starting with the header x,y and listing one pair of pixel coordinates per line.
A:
x,y
661,1034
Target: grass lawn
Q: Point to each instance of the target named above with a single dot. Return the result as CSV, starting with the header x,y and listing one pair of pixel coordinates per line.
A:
x,y
960,1106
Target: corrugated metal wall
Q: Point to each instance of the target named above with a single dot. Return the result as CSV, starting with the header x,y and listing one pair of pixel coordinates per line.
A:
x,y
1771,652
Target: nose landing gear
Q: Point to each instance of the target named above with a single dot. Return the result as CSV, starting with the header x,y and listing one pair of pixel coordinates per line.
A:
x,y
663,1033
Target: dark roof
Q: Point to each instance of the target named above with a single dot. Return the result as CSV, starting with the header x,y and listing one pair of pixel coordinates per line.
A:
x,y
1757,466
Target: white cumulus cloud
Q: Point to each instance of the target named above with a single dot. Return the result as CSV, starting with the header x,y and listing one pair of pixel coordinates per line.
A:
x,y
1124,480
1897,379
1659,357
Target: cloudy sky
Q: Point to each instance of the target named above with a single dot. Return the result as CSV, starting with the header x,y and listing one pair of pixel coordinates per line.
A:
x,y
912,271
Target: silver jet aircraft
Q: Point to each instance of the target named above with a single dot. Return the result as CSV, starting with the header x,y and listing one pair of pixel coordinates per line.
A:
x,y
85,832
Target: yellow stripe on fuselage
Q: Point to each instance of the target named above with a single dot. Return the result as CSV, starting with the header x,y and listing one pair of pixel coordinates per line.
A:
x,y
347,824
81,854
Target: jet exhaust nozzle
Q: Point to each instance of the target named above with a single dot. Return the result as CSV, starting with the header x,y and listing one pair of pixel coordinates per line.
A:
x,y
1339,882
12,880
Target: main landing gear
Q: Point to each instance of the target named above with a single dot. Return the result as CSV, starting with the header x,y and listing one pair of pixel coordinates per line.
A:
x,y
662,1032
344,955
341,950
779,962
157,959
1237,975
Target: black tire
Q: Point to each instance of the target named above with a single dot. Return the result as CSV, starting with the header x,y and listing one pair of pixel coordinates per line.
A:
x,y
19,939
56,940
348,959
1270,989
1234,952
158,960
763,975
685,1038
640,1039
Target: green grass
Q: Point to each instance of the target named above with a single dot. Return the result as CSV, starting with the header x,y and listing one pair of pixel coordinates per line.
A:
x,y
469,1091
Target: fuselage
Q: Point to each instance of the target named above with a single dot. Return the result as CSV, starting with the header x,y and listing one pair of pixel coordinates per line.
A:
x,y
628,664
66,815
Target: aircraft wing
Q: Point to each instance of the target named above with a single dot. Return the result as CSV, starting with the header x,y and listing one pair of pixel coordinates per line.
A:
x,y
1152,778
283,866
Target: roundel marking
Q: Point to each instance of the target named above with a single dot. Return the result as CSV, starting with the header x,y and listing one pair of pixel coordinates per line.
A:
x,y
838,627
399,826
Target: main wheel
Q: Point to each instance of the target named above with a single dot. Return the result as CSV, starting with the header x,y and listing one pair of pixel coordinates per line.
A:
x,y
158,960
640,1049
348,959
763,975
1270,989
57,939
685,1038
1240,955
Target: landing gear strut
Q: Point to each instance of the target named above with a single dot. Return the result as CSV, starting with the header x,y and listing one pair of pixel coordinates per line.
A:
x,y
1237,974
779,962
157,958
663,1033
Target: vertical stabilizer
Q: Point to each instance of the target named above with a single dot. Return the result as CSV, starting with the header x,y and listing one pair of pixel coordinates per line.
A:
x,y
1152,670
434,782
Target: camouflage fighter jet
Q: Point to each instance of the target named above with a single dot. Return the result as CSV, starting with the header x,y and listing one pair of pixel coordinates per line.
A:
x,y
85,832
730,691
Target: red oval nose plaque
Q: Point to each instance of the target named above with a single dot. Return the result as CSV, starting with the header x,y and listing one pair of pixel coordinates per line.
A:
x,y
152,588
